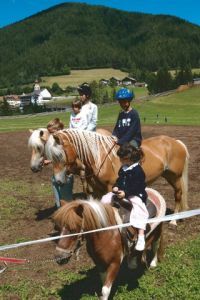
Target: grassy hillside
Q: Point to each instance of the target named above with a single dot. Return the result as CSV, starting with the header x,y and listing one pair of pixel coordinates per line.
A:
x,y
80,36
79,76
179,108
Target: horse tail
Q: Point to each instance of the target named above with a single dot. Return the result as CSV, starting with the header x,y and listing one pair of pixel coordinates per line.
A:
x,y
184,179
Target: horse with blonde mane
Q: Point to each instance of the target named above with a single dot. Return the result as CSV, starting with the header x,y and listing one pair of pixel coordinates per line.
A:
x,y
163,156
107,248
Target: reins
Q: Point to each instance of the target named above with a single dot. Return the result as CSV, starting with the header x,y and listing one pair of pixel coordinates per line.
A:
x,y
104,159
98,171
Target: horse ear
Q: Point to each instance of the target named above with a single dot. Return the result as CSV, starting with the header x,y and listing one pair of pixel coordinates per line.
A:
x,y
79,210
63,203
44,135
31,130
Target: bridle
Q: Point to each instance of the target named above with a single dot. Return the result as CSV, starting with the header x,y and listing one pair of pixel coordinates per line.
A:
x,y
77,245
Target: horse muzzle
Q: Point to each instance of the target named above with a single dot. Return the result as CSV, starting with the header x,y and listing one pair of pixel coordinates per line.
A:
x,y
37,167
62,256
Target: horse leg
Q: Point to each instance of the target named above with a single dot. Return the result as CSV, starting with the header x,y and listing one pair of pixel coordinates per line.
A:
x,y
157,247
108,278
179,193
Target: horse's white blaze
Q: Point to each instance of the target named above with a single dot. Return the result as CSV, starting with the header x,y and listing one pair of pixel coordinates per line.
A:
x,y
105,292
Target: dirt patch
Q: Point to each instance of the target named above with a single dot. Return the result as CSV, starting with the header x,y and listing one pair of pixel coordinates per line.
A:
x,y
14,161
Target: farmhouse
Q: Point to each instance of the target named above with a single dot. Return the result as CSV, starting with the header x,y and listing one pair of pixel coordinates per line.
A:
x,y
196,81
12,100
25,99
115,81
141,84
104,81
128,81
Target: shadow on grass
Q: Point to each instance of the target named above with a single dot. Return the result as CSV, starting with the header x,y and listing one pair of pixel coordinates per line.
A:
x,y
45,213
91,285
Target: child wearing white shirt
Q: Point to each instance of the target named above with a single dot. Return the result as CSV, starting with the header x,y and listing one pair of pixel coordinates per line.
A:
x,y
89,109
78,119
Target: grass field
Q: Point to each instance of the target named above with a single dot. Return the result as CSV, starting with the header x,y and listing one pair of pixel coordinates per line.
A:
x,y
179,108
79,76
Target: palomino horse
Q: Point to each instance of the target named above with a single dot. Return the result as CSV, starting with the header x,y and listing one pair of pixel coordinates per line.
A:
x,y
37,143
106,248
163,156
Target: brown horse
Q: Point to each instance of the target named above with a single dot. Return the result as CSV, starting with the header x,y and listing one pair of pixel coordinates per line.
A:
x,y
106,248
163,156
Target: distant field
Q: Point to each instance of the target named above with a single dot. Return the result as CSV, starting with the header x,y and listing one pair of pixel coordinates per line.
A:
x,y
176,109
79,76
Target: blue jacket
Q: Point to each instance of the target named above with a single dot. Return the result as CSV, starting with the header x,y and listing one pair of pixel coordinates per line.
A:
x,y
131,180
128,127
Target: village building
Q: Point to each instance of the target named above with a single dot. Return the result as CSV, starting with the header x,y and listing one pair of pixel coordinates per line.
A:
x,y
25,99
141,84
104,81
43,97
196,81
128,81
12,100
115,81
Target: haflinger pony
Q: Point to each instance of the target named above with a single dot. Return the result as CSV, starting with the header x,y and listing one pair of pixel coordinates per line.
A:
x,y
107,248
37,142
163,156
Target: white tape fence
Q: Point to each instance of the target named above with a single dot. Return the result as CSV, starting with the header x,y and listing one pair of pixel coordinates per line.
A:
x,y
177,216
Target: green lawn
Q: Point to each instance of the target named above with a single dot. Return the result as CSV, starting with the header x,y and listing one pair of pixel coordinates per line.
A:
x,y
181,108
177,277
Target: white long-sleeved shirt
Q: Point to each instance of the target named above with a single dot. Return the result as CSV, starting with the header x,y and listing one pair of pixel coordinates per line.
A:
x,y
78,121
90,110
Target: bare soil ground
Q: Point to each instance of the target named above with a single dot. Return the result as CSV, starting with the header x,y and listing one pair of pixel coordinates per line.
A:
x,y
14,161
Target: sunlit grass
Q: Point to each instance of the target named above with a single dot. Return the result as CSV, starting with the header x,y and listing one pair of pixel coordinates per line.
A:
x,y
179,108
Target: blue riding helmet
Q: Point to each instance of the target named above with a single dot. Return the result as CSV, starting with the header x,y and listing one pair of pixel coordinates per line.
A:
x,y
124,94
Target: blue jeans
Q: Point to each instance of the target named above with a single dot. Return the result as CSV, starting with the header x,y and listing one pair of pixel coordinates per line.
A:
x,y
64,191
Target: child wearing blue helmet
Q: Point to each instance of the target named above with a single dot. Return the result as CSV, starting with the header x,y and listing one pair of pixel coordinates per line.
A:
x,y
128,127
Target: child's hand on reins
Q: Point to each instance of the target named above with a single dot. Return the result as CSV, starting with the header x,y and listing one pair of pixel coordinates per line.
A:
x,y
115,189
120,194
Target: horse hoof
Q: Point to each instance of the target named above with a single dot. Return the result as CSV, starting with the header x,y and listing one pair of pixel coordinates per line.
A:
x,y
153,264
173,223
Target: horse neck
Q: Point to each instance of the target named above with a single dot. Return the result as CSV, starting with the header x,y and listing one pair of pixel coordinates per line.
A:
x,y
91,148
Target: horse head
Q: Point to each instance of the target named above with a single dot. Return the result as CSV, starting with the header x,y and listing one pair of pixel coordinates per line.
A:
x,y
68,246
63,156
37,143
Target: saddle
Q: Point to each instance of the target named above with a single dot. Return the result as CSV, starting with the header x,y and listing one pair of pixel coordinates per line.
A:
x,y
124,207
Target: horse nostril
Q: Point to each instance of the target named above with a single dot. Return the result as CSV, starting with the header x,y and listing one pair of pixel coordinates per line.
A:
x,y
33,169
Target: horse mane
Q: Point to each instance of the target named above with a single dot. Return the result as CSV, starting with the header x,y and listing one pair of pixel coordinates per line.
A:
x,y
35,139
94,215
87,145
54,151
